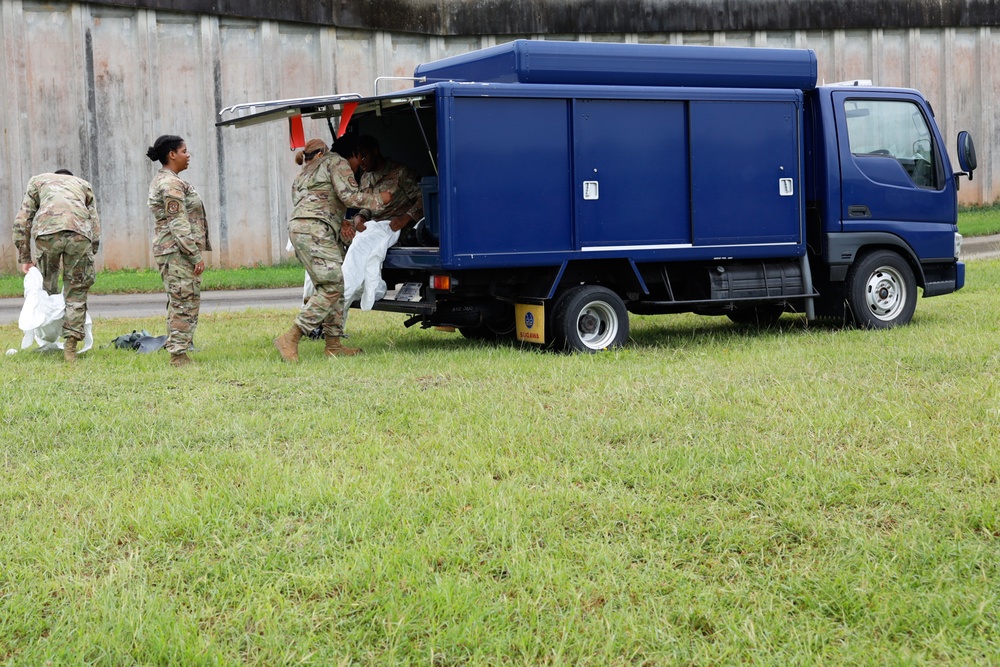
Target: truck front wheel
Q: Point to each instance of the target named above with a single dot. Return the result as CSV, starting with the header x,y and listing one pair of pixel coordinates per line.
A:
x,y
589,318
881,290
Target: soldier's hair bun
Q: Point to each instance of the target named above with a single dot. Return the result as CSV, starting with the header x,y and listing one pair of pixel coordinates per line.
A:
x,y
162,146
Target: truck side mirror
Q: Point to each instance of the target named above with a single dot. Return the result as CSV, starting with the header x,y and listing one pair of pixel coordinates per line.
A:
x,y
966,153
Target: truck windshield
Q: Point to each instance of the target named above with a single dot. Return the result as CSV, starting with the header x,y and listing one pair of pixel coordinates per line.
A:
x,y
893,129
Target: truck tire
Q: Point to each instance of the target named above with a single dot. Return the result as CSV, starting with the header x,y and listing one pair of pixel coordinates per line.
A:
x,y
491,332
881,290
494,329
757,316
589,318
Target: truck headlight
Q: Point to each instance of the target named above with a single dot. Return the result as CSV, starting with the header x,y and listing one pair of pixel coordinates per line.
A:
x,y
958,244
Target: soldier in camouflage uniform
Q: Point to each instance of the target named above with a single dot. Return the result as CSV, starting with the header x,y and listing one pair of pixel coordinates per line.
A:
x,y
181,235
400,181
59,213
321,194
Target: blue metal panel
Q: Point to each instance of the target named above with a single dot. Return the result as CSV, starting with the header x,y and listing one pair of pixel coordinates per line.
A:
x,y
742,155
508,187
633,156
529,61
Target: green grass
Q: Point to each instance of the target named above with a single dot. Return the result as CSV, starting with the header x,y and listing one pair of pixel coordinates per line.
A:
x,y
979,220
803,495
137,281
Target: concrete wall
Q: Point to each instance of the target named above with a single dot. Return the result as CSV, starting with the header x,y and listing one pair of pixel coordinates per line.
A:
x,y
89,86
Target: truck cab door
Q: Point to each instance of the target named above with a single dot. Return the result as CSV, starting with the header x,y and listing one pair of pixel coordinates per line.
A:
x,y
894,170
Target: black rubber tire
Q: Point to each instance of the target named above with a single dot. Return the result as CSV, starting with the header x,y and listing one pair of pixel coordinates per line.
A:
x,y
589,318
489,333
757,316
881,290
502,328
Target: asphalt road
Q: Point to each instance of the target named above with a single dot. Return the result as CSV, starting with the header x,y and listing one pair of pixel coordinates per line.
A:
x,y
106,306
148,305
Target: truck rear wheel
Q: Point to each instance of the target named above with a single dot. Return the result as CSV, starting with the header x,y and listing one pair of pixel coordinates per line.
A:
x,y
589,318
490,331
881,290
757,316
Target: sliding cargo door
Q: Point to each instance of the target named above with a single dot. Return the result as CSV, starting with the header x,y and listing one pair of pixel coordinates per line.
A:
x,y
630,173
745,173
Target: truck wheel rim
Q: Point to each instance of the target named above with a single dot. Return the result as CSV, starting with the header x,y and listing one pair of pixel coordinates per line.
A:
x,y
885,293
597,325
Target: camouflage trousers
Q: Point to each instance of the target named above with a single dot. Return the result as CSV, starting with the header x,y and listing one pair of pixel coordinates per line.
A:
x,y
318,247
183,300
74,252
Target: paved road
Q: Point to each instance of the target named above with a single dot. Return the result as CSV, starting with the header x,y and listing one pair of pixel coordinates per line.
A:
x,y
103,306
149,305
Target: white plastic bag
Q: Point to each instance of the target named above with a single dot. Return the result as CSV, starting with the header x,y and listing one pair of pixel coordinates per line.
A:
x,y
363,264
41,317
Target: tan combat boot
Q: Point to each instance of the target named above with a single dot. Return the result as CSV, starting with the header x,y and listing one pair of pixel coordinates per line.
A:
x,y
69,350
288,343
179,359
335,348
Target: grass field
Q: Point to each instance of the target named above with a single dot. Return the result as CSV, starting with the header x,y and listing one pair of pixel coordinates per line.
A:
x,y
979,220
710,495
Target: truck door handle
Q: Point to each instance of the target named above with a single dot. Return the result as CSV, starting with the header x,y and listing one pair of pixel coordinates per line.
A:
x,y
858,211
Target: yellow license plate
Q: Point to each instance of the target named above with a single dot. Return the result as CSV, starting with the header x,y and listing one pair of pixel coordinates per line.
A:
x,y
530,323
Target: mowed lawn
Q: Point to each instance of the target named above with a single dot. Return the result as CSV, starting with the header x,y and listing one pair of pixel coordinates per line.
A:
x,y
806,495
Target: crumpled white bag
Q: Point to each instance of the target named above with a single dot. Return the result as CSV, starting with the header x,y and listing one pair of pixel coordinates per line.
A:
x,y
41,317
363,264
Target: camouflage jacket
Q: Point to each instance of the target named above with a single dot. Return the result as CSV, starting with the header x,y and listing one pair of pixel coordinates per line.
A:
x,y
403,183
325,188
55,203
180,217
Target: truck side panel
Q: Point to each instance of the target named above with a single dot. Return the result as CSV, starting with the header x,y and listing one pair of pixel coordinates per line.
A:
x,y
747,186
635,155
507,181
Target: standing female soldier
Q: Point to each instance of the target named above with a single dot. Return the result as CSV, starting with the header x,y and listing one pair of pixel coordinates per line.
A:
x,y
181,235
321,194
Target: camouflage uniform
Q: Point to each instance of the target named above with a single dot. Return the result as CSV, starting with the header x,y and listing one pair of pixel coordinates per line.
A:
x,y
60,214
321,194
403,183
181,234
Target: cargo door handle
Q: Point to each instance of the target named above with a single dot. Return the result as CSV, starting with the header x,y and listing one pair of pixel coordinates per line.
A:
x,y
859,211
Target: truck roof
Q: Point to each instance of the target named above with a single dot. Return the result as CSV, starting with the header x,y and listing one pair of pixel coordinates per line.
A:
x,y
605,63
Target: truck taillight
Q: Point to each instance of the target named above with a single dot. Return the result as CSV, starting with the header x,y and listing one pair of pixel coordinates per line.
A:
x,y
441,282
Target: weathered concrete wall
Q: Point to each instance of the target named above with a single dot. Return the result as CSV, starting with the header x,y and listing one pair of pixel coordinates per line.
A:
x,y
506,17
89,86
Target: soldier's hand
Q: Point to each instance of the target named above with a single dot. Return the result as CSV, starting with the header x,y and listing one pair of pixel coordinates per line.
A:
x,y
399,222
199,268
360,224
26,267
386,197
347,231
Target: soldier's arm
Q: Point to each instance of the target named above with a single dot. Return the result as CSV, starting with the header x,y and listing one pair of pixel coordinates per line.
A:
x,y
208,239
347,189
95,221
22,224
410,185
178,223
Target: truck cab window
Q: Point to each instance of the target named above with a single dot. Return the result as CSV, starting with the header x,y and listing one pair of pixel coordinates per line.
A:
x,y
894,129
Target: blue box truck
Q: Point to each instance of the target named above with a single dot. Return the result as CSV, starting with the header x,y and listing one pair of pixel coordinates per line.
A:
x,y
568,184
